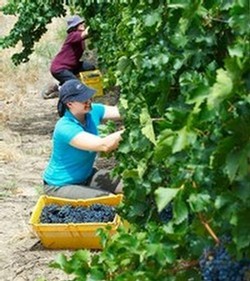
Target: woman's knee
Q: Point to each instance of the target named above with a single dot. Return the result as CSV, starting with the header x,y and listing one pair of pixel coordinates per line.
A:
x,y
103,180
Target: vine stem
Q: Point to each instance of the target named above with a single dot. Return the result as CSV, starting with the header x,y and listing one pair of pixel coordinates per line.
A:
x,y
209,229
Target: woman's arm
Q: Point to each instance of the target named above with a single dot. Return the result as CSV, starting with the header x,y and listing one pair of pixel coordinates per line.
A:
x,y
112,113
86,141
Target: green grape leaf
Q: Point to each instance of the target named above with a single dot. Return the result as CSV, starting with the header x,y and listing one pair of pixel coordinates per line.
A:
x,y
236,50
142,166
95,274
223,200
183,139
147,126
199,202
242,230
60,260
123,63
237,164
164,195
164,144
180,210
220,90
152,18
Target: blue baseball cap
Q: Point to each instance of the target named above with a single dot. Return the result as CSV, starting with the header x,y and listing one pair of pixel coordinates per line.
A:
x,y
73,90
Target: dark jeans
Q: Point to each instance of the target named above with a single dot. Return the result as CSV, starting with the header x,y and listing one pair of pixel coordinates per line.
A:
x,y
99,184
67,74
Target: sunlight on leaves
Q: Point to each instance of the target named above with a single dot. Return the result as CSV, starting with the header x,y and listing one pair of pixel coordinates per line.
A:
x,y
184,138
164,196
147,126
220,90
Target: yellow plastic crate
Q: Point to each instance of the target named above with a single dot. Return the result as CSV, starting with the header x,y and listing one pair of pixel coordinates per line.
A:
x,y
93,79
72,235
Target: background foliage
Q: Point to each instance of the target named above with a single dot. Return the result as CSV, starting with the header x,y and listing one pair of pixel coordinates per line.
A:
x,y
183,71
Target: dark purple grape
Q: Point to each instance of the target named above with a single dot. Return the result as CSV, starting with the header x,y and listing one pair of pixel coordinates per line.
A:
x,y
54,213
167,213
217,265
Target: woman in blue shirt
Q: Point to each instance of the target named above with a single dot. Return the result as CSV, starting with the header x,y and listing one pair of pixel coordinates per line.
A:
x,y
70,172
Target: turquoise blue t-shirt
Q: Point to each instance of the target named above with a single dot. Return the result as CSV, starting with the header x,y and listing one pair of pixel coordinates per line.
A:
x,y
67,164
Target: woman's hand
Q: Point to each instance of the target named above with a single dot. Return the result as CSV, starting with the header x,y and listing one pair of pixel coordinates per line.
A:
x,y
85,32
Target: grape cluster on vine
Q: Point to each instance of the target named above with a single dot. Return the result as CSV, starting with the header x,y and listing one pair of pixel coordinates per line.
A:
x,y
54,213
216,264
167,213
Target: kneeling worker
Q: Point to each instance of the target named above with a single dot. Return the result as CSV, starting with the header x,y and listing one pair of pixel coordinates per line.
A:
x,y
70,172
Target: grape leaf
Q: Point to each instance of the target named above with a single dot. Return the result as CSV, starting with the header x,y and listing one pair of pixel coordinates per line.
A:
x,y
164,196
147,127
220,90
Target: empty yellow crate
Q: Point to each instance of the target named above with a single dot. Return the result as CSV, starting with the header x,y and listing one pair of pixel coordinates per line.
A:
x,y
72,235
93,79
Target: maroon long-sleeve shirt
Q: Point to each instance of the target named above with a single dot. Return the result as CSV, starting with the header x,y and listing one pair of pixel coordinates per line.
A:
x,y
70,54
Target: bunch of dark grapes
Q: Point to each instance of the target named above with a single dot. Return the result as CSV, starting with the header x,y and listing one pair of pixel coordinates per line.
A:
x,y
54,213
217,265
167,213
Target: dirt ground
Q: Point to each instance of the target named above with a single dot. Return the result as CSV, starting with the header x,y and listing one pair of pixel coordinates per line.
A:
x,y
27,123
22,257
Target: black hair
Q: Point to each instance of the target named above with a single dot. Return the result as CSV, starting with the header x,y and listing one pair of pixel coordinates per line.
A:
x,y
72,29
61,108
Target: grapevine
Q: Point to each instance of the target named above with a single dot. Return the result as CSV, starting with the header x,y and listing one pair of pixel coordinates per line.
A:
x,y
183,70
